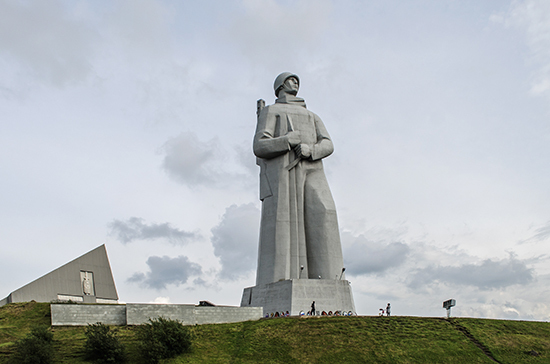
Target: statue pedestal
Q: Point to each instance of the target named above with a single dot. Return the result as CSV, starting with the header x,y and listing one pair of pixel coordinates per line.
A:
x,y
295,295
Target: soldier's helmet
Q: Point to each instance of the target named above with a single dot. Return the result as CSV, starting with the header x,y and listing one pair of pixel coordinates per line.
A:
x,y
280,80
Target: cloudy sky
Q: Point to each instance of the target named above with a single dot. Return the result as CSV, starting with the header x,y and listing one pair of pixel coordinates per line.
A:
x,y
130,123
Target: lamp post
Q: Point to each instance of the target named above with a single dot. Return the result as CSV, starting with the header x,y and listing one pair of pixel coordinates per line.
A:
x,y
341,274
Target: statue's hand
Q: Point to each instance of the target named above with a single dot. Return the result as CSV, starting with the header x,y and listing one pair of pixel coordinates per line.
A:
x,y
303,151
293,138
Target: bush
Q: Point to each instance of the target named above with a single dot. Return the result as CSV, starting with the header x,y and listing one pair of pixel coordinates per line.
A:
x,y
163,338
35,348
102,345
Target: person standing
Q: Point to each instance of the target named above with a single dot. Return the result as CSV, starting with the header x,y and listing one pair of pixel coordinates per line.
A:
x,y
388,309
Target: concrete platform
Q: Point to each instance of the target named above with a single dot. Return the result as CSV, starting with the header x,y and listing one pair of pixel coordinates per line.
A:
x,y
295,295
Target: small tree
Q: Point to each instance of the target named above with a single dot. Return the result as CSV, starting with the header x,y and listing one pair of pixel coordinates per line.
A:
x,y
163,338
102,345
35,348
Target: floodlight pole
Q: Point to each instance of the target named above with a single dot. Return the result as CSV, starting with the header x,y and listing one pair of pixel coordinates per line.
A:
x,y
447,305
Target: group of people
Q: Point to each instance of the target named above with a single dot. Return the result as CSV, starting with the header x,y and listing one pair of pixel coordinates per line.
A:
x,y
330,313
311,312
277,314
387,312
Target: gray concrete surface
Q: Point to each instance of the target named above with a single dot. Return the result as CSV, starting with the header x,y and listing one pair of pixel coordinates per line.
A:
x,y
299,234
226,314
295,295
81,315
67,281
139,313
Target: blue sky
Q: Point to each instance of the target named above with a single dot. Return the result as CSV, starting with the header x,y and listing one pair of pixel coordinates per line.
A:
x,y
130,123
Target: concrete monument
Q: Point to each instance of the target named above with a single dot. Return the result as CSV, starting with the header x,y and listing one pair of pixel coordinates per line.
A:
x,y
299,236
86,279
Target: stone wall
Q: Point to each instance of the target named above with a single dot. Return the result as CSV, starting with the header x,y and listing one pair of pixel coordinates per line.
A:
x,y
137,313
81,315
226,314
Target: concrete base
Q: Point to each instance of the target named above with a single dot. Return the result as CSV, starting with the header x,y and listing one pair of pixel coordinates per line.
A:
x,y
295,295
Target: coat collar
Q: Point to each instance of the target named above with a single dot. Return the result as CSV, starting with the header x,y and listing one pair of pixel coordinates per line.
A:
x,y
290,99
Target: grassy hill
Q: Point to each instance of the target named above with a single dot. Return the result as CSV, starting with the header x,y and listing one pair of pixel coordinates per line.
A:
x,y
317,339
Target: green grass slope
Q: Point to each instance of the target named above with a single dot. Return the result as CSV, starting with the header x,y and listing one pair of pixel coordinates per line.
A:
x,y
317,340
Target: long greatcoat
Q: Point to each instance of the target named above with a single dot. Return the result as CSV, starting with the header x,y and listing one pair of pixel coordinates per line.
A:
x,y
299,226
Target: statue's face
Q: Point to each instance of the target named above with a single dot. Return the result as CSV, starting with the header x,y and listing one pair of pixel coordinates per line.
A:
x,y
291,86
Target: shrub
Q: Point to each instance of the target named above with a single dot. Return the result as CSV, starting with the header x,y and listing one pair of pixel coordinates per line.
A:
x,y
163,338
35,348
64,302
102,345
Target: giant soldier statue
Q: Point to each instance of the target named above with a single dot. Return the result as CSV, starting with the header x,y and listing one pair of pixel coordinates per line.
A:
x,y
299,235
300,255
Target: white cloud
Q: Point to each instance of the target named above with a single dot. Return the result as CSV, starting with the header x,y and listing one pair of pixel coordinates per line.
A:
x,y
541,234
136,229
235,240
431,272
275,32
533,17
191,161
364,256
47,40
165,271
195,163
141,28
161,299
489,274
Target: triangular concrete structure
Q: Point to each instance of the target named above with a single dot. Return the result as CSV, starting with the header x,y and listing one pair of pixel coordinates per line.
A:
x,y
87,278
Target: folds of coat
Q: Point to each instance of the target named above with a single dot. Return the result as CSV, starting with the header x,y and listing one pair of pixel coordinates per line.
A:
x,y
299,226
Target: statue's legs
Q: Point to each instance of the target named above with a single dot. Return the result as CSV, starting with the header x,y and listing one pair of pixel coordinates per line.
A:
x,y
324,250
273,250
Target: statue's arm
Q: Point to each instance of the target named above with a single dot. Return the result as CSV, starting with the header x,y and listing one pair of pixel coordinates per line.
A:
x,y
324,147
267,142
